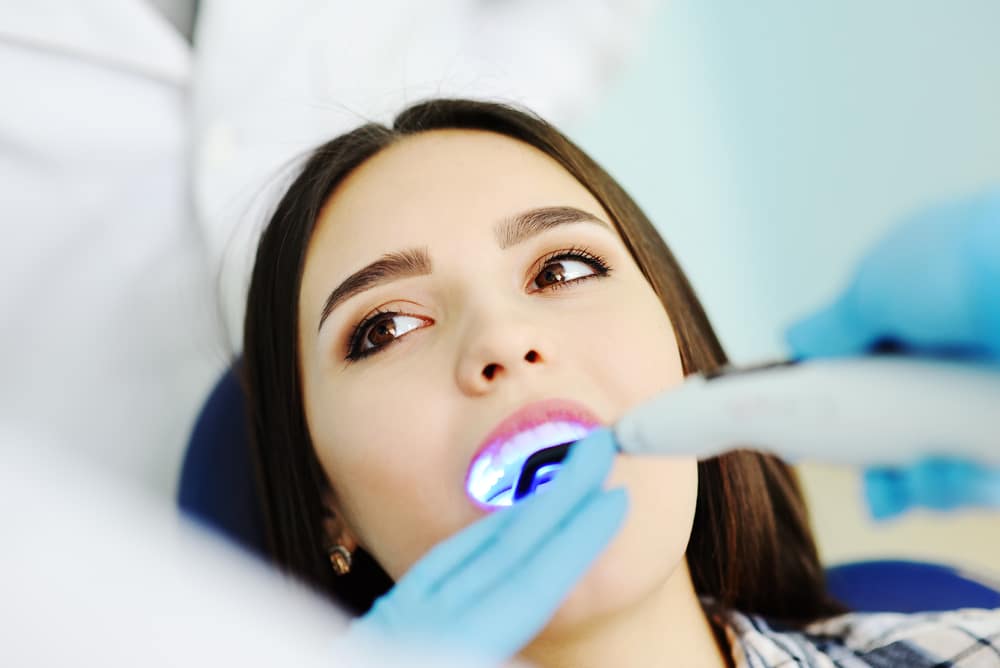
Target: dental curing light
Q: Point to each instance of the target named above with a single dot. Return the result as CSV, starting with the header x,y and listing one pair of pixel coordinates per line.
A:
x,y
539,469
523,463
871,411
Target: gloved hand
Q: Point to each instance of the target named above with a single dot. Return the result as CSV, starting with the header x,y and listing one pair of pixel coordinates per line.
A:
x,y
938,483
488,590
932,286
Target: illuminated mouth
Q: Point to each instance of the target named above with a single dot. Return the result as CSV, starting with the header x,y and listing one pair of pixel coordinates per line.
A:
x,y
521,465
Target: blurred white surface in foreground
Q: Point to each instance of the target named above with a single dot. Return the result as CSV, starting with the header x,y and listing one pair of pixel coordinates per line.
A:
x,y
94,572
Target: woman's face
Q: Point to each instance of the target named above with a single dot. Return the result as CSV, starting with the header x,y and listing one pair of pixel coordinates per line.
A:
x,y
468,322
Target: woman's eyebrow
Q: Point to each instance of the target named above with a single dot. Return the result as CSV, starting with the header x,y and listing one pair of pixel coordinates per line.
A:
x,y
417,262
390,267
512,231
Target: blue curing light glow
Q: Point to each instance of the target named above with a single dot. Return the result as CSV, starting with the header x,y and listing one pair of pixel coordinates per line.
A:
x,y
494,474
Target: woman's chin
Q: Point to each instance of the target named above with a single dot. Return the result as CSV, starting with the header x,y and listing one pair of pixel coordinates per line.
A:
x,y
610,587
649,549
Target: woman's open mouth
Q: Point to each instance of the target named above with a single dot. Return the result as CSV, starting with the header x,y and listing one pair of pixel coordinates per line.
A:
x,y
524,452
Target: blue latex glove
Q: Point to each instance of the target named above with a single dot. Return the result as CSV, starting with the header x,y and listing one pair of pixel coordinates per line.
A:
x,y
938,483
488,590
932,286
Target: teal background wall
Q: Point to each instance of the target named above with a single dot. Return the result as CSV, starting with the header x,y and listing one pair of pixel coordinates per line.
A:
x,y
772,142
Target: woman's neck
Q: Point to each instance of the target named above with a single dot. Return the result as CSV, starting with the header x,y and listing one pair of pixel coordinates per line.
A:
x,y
666,628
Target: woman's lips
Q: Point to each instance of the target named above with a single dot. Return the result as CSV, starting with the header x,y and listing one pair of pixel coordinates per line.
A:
x,y
539,418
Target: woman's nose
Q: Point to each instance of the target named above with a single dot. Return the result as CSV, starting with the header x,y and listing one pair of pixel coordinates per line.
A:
x,y
490,358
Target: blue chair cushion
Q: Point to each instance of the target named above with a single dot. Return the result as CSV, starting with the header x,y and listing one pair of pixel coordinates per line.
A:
x,y
907,586
217,481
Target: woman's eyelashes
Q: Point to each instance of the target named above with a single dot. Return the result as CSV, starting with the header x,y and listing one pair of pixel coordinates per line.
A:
x,y
380,330
556,270
565,267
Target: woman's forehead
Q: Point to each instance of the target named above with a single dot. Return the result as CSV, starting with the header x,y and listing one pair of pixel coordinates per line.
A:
x,y
439,186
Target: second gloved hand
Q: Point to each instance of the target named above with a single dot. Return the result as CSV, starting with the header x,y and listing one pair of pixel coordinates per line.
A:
x,y
932,286
488,590
938,483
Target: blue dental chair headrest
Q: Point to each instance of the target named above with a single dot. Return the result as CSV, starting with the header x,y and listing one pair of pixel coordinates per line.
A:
x,y
217,489
217,485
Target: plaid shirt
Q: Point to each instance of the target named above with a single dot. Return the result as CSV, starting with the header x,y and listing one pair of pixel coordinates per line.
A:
x,y
960,639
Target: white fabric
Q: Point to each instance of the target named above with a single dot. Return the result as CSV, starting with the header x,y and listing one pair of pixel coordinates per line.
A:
x,y
110,335
96,573
181,13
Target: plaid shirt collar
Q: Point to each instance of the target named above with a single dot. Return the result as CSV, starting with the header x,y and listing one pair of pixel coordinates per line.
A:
x,y
955,639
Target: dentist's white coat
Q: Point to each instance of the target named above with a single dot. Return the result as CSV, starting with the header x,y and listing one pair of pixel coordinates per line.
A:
x,y
109,331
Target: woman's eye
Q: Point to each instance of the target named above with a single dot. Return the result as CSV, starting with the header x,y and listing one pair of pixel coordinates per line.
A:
x,y
560,270
378,332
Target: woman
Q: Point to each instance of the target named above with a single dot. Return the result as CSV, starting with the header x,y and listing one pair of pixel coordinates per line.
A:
x,y
423,286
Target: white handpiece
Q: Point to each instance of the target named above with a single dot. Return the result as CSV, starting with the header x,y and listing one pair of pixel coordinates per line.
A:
x,y
870,411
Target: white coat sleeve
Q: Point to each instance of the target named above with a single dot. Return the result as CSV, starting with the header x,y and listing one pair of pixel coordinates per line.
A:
x,y
109,338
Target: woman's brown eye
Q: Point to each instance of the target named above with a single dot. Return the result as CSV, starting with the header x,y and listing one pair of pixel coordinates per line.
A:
x,y
553,273
382,332
562,271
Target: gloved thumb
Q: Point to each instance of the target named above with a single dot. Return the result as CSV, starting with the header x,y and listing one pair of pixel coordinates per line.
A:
x,y
830,332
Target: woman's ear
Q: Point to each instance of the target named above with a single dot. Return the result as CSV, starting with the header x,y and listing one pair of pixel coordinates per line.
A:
x,y
334,527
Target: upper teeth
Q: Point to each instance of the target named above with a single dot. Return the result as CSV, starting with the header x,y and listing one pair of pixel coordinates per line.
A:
x,y
543,435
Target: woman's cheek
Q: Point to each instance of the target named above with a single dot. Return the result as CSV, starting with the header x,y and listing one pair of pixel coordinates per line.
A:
x,y
643,370
634,349
397,498
378,502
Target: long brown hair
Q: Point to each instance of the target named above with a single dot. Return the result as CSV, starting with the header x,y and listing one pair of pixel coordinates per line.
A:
x,y
751,547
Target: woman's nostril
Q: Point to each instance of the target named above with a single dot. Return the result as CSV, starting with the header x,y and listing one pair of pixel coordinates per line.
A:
x,y
491,369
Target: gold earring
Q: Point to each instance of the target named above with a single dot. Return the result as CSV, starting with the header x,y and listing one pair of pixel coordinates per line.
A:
x,y
340,559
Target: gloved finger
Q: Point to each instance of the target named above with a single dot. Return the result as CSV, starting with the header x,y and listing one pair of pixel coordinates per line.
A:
x,y
523,601
449,556
937,482
442,563
411,591
830,332
885,492
932,285
534,519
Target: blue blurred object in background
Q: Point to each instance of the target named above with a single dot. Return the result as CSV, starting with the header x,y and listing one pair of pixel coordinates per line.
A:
x,y
907,586
938,483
